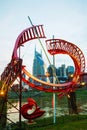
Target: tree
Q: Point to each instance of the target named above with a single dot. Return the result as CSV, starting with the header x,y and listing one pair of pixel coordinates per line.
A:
x,y
72,99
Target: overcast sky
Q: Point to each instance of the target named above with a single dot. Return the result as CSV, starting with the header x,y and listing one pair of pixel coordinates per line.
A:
x,y
65,19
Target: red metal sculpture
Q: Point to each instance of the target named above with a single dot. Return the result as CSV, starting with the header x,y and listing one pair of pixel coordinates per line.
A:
x,y
54,46
31,111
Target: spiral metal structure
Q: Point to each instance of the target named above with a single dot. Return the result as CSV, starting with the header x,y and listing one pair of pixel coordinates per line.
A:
x,y
59,46
54,46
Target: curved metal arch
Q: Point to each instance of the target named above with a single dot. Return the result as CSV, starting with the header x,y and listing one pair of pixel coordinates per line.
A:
x,y
54,46
57,46
27,35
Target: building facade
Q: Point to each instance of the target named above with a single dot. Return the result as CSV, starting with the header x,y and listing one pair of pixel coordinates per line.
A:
x,y
61,73
38,66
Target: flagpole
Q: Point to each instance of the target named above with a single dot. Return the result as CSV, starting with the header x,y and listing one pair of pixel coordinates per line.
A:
x,y
54,96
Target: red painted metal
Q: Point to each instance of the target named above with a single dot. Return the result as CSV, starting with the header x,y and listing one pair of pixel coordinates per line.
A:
x,y
59,46
31,111
45,86
27,35
54,46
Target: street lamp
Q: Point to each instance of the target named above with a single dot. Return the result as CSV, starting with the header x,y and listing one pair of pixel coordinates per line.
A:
x,y
70,76
2,93
68,96
82,84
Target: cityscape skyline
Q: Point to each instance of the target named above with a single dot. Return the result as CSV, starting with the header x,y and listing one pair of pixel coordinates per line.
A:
x,y
59,59
46,74
39,70
63,19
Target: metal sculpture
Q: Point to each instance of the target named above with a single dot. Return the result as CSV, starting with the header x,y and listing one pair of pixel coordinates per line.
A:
x,y
60,46
54,46
31,111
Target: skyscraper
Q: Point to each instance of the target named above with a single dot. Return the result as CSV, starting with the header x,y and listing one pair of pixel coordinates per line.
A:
x,y
38,66
70,70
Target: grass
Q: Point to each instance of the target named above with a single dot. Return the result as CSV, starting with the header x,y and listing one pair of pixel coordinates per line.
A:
x,y
75,122
62,123
77,125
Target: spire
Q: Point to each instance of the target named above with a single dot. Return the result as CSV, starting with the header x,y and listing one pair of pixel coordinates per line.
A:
x,y
35,51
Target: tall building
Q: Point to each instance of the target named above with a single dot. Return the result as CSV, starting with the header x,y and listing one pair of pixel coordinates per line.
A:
x,y
38,66
70,70
60,72
63,70
51,70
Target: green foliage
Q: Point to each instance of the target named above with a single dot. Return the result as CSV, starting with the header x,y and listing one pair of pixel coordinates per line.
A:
x,y
76,122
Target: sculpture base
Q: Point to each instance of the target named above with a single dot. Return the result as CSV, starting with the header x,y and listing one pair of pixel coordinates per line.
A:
x,y
30,122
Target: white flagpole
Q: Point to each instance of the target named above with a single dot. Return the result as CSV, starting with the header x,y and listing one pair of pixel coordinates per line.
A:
x,y
54,108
